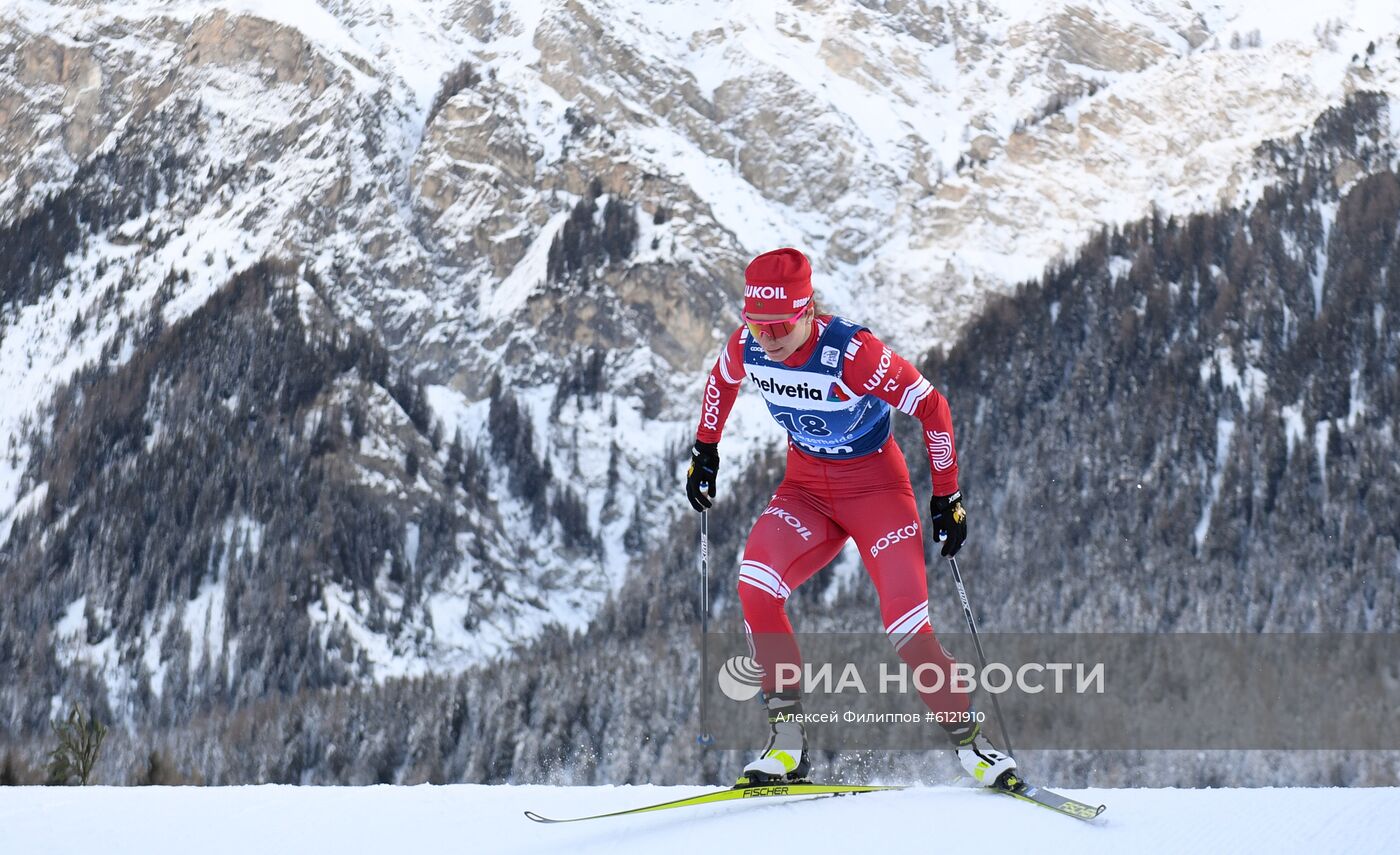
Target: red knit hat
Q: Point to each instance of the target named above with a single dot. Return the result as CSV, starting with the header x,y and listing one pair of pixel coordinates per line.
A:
x,y
777,283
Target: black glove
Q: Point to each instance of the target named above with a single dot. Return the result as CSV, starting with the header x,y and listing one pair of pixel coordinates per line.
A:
x,y
700,479
949,522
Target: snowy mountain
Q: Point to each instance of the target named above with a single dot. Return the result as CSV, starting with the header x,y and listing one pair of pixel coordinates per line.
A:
x,y
381,324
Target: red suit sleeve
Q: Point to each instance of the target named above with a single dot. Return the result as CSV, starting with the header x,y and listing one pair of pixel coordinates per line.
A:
x,y
721,388
872,368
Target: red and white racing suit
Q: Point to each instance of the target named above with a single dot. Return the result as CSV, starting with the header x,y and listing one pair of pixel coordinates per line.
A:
x,y
823,502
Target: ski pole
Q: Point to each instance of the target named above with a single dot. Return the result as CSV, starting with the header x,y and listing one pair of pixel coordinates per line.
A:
x,y
704,738
981,657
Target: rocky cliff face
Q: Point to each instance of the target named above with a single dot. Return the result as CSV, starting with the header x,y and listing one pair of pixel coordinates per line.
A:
x,y
531,221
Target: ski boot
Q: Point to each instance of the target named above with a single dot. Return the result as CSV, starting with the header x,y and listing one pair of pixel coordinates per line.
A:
x,y
991,768
784,760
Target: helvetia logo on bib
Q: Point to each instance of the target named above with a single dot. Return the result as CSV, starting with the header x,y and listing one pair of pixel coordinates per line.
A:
x,y
740,678
799,389
835,393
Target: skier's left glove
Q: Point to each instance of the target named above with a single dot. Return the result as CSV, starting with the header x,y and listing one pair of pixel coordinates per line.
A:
x,y
949,522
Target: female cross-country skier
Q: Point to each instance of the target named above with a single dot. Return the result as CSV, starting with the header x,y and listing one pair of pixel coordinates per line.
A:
x,y
831,383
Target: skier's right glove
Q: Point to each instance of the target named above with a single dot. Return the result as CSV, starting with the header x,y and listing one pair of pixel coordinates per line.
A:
x,y
700,479
949,522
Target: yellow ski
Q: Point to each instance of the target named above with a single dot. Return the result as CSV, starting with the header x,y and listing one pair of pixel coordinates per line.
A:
x,y
759,791
1018,789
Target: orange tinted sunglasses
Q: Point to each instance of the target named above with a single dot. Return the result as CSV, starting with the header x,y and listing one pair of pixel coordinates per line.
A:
x,y
773,329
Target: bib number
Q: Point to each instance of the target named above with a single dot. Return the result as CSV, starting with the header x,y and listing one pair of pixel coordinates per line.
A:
x,y
805,423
